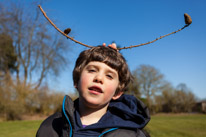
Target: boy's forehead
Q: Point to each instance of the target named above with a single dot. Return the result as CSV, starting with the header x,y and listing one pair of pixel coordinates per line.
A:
x,y
101,64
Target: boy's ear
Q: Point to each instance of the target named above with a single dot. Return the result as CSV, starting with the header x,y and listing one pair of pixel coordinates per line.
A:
x,y
75,85
116,96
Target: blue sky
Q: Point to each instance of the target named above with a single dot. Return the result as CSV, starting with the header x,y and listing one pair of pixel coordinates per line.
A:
x,y
180,57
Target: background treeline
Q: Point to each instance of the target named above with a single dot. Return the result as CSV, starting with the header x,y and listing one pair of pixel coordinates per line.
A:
x,y
31,52
16,101
158,94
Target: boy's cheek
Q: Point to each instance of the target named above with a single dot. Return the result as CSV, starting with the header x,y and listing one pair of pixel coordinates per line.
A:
x,y
83,82
111,88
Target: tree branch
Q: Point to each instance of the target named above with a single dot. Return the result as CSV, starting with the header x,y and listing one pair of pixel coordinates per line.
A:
x,y
188,21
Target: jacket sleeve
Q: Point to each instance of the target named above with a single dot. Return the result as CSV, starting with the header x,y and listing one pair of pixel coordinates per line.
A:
x,y
145,132
51,127
141,133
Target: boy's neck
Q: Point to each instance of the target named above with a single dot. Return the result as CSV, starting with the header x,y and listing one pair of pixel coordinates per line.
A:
x,y
89,115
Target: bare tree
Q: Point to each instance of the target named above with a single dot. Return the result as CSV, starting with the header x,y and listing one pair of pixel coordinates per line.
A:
x,y
134,86
150,81
39,50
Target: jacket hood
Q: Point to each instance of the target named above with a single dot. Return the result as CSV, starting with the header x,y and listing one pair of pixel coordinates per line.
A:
x,y
130,111
125,112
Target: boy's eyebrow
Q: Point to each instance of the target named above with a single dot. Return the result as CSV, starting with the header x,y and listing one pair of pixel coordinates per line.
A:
x,y
89,66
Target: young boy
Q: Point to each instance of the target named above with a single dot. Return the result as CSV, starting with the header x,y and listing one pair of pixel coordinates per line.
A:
x,y
101,76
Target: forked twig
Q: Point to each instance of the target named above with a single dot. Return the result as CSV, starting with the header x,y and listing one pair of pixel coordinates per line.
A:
x,y
188,21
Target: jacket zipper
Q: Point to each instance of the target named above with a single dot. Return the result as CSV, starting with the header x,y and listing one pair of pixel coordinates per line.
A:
x,y
70,134
63,109
112,129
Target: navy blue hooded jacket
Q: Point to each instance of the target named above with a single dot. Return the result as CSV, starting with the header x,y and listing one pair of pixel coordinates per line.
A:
x,y
126,116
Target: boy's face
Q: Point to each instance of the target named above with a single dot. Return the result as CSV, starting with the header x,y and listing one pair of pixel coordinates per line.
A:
x,y
97,85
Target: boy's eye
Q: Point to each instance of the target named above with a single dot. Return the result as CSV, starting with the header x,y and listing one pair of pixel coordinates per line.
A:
x,y
91,70
110,76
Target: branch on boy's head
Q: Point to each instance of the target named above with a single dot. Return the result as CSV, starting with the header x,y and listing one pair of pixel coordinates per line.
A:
x,y
188,21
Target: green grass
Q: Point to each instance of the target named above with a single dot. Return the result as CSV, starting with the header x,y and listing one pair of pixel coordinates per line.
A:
x,y
19,128
181,125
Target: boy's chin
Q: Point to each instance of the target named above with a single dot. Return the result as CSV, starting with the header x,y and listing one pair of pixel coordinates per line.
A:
x,y
95,104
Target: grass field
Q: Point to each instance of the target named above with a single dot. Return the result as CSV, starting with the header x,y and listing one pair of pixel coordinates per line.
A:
x,y
181,125
19,128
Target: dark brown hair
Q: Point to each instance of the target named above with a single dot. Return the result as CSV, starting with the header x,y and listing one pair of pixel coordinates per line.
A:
x,y
106,55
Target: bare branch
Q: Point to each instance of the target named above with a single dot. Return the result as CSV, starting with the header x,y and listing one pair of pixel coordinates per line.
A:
x,y
62,31
188,21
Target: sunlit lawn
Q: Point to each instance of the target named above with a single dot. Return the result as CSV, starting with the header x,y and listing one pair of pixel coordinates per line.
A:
x,y
19,128
181,125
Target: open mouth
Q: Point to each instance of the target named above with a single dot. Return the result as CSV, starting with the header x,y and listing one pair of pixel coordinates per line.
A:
x,y
96,89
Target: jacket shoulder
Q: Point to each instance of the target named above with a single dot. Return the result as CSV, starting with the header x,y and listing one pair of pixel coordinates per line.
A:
x,y
52,126
126,133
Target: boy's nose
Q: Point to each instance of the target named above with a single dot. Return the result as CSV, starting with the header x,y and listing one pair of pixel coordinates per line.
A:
x,y
98,78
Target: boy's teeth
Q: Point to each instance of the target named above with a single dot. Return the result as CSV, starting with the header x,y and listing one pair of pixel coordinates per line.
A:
x,y
95,89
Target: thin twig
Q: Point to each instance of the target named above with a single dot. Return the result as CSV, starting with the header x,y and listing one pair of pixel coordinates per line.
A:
x,y
154,40
62,31
188,21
